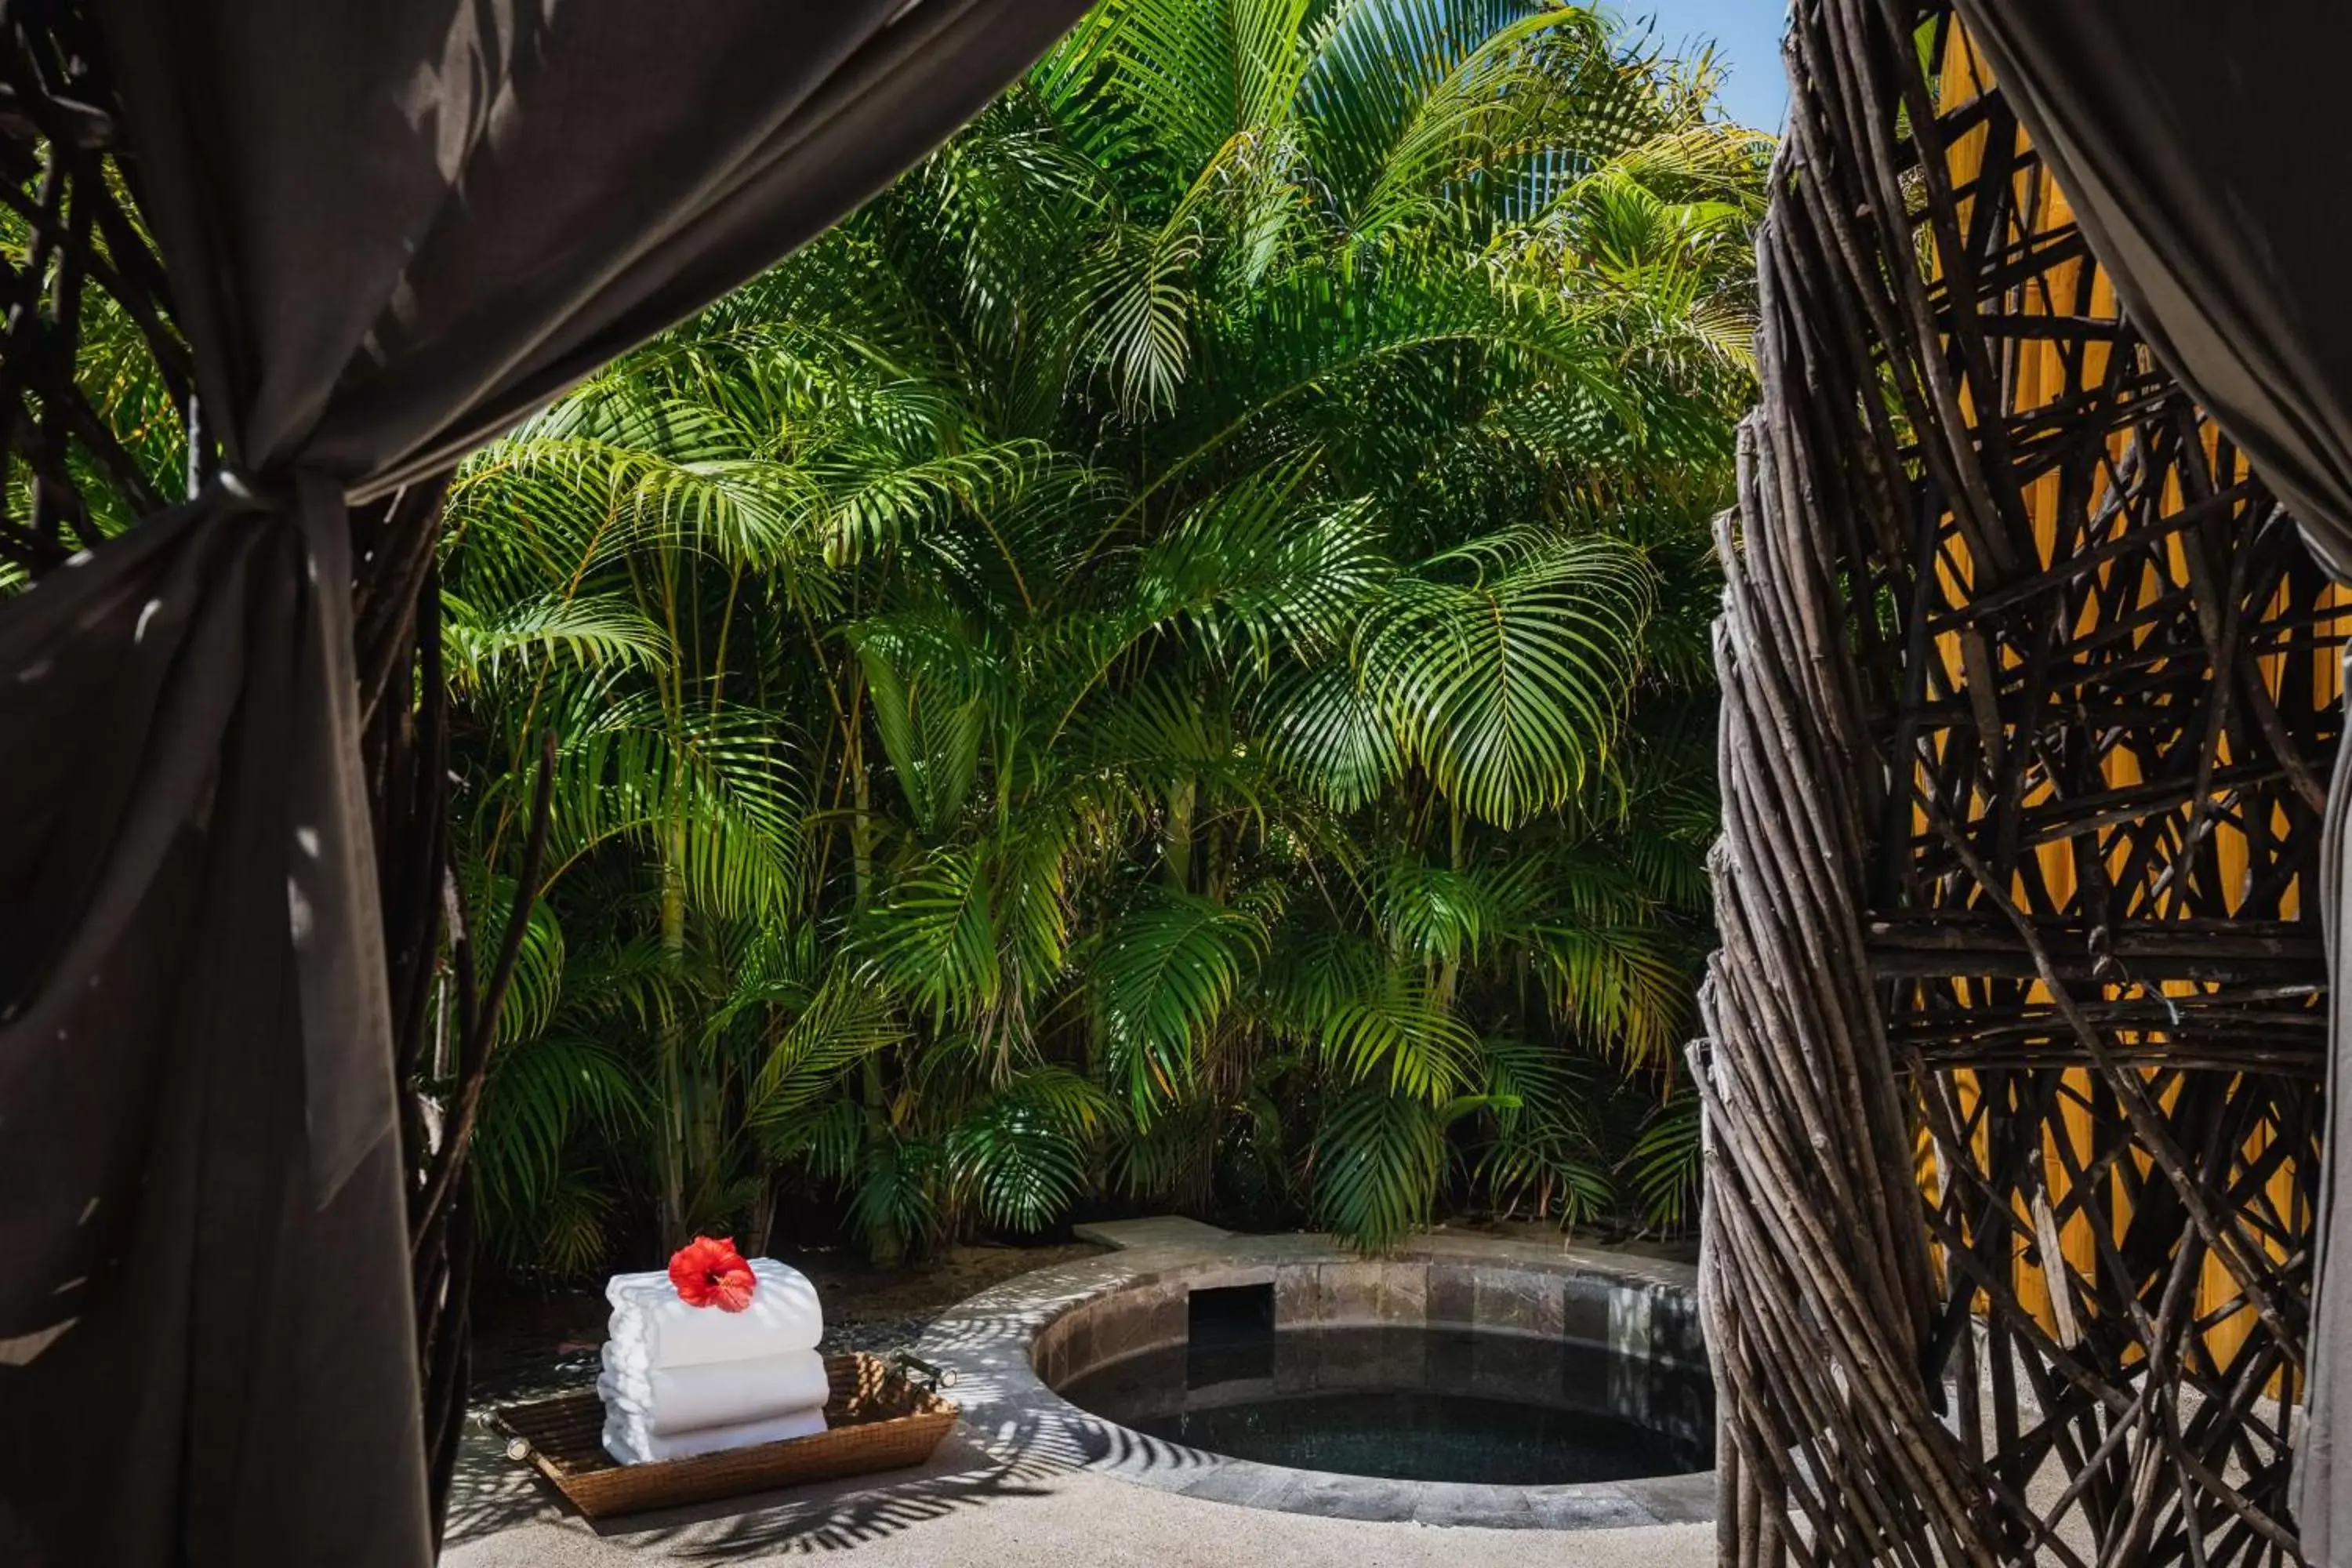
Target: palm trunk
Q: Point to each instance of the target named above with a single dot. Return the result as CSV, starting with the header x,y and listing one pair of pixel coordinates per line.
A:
x,y
1178,851
861,863
673,1046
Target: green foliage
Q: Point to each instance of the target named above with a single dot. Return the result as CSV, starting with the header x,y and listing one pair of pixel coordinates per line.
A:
x,y
1164,978
1163,659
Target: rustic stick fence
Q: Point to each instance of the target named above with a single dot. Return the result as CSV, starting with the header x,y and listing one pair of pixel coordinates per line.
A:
x,y
2014,1040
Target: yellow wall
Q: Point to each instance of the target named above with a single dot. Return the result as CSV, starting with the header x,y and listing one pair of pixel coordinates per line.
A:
x,y
2039,377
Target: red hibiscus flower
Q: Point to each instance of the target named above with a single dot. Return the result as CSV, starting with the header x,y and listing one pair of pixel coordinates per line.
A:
x,y
709,1272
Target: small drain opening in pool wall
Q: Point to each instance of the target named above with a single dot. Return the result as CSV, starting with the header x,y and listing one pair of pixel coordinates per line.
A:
x,y
1423,1402
1229,1313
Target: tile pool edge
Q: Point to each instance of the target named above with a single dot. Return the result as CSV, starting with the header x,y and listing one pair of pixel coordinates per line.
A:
x,y
995,1341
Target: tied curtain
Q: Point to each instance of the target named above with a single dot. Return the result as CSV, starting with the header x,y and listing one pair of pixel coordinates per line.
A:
x,y
392,228
2201,148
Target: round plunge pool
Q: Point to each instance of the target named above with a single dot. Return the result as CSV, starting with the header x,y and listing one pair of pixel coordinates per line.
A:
x,y
1474,1384
1411,1403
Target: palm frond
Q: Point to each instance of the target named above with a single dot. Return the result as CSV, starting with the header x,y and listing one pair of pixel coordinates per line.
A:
x,y
1509,686
1161,982
1378,1158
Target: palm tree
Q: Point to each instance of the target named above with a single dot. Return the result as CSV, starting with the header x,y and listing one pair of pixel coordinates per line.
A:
x,y
1165,653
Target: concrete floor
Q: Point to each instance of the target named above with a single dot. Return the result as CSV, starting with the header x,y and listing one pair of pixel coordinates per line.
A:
x,y
995,1496
965,1510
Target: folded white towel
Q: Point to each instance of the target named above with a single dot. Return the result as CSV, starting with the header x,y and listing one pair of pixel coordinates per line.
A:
x,y
632,1445
714,1394
651,1328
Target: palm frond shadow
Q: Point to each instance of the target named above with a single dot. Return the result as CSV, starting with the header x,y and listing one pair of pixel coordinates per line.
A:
x,y
489,1492
492,1493
838,1516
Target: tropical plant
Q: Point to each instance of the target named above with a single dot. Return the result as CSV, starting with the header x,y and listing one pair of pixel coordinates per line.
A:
x,y
1161,661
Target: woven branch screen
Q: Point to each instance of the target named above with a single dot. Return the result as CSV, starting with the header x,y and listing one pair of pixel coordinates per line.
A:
x,y
83,289
2015,1037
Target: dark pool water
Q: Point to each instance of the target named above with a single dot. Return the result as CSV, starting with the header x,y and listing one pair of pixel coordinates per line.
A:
x,y
1416,1405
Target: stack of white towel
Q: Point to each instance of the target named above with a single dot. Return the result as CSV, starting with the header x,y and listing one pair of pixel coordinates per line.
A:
x,y
680,1380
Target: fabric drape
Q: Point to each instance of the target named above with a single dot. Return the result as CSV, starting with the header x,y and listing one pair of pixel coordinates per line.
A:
x,y
2199,148
392,229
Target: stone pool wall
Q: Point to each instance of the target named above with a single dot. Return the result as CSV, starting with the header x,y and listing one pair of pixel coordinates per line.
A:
x,y
1630,1316
1651,1330
1009,1346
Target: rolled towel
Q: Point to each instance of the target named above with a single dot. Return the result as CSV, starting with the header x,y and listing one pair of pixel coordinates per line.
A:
x,y
714,1394
651,1328
631,1444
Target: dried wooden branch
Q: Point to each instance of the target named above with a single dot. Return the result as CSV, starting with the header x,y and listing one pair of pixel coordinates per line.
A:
x,y
2013,1147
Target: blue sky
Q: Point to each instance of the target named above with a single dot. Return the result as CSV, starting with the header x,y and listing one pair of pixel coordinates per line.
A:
x,y
1746,35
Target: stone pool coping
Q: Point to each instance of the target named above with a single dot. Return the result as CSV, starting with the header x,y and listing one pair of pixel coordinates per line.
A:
x,y
994,1341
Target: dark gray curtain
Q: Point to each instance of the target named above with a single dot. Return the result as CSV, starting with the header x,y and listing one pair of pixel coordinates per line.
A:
x,y
393,227
2202,146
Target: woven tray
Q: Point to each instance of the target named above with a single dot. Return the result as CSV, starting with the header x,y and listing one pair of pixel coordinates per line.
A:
x,y
877,1419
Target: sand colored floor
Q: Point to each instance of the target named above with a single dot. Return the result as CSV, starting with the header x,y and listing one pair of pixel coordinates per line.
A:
x,y
963,1510
998,1495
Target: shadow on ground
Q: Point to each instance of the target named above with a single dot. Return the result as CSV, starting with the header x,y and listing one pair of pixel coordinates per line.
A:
x,y
491,1493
